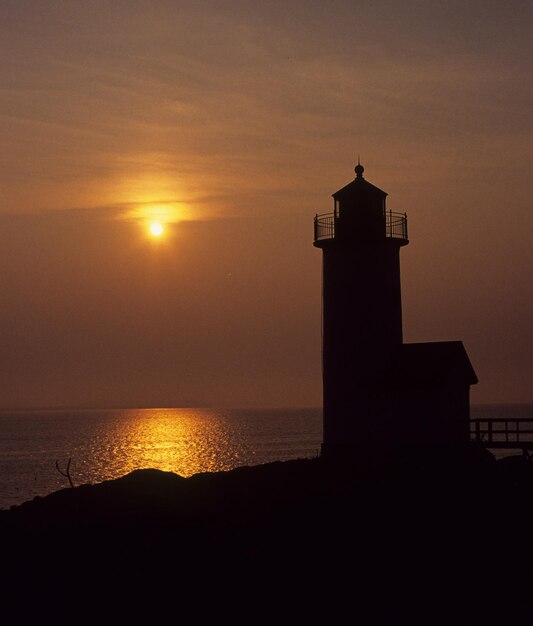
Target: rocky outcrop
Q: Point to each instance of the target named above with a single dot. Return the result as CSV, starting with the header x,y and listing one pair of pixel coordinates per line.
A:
x,y
440,536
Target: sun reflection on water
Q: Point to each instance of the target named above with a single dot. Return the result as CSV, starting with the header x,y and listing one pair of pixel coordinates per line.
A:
x,y
107,444
185,441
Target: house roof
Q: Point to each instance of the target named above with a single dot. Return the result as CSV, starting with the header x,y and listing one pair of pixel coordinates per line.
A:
x,y
442,361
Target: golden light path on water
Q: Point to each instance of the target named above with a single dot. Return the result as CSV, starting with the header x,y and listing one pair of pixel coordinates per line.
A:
x,y
109,443
190,441
185,441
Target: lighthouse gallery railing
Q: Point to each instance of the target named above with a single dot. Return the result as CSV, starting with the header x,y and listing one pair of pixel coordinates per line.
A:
x,y
395,225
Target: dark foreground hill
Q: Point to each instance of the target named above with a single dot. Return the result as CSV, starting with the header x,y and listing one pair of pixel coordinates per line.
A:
x,y
443,536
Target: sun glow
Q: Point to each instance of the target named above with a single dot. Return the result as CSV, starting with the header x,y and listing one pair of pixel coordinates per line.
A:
x,y
156,229
157,220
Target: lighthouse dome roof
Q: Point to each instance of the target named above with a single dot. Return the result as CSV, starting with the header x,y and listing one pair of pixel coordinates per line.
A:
x,y
359,187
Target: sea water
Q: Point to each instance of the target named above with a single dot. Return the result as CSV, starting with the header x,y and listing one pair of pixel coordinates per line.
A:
x,y
106,444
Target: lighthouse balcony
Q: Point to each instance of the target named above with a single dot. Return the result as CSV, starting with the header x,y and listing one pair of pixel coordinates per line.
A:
x,y
327,227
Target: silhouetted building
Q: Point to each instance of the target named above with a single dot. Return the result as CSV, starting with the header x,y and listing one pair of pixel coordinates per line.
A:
x,y
377,390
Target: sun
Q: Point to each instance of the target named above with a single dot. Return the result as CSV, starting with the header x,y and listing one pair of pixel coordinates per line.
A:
x,y
156,229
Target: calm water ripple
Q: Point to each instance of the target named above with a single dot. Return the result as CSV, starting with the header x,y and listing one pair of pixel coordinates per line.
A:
x,y
106,444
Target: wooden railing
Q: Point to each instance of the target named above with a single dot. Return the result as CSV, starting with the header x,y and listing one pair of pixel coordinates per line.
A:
x,y
503,433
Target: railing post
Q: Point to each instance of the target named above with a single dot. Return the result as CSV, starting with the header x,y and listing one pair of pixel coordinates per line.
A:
x,y
489,430
478,431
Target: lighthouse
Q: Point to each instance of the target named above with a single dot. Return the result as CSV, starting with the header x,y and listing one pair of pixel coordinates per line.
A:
x,y
377,391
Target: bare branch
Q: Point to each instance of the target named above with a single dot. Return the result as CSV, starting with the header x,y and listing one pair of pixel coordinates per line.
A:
x,y
65,473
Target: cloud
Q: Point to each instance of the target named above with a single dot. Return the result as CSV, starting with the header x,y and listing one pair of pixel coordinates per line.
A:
x,y
237,121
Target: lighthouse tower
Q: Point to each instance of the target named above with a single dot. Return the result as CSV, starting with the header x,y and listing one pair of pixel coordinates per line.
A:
x,y
362,311
379,392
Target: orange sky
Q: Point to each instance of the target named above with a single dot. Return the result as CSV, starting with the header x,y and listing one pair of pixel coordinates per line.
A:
x,y
236,121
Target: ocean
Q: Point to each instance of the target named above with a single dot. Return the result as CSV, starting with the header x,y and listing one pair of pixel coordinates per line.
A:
x,y
107,443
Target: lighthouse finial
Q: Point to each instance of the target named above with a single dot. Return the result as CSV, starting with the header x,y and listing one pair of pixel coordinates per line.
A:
x,y
359,169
